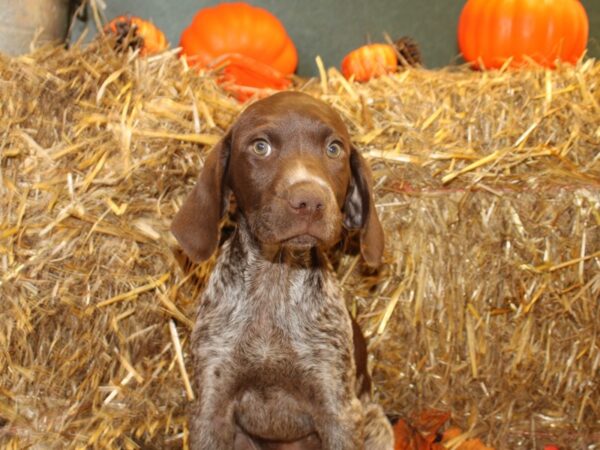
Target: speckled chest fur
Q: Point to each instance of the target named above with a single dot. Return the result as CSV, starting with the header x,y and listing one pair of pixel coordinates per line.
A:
x,y
265,329
278,362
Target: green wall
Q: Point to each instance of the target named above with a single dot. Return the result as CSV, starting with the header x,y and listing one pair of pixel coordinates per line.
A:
x,y
331,28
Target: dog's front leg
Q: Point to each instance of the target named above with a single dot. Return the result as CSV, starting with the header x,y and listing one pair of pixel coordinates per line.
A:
x,y
211,419
341,428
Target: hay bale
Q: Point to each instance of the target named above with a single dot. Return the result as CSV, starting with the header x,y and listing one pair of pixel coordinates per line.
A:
x,y
488,185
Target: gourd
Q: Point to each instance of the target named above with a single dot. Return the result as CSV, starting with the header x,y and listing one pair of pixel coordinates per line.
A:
x,y
370,61
249,43
490,32
374,60
137,33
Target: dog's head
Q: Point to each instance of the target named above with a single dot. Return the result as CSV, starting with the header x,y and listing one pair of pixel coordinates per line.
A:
x,y
296,178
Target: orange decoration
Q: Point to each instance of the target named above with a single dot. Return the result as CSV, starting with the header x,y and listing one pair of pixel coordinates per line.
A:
x,y
429,421
245,77
490,32
370,61
468,444
407,437
423,433
249,43
141,33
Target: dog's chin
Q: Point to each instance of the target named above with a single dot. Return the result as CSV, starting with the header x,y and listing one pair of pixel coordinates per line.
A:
x,y
293,235
296,243
301,242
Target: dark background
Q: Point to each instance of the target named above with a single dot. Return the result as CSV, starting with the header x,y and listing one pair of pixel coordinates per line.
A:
x,y
331,28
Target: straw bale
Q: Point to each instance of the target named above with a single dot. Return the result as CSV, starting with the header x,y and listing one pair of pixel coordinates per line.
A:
x,y
488,186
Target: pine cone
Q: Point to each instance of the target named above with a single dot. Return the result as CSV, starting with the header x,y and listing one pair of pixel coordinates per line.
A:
x,y
408,51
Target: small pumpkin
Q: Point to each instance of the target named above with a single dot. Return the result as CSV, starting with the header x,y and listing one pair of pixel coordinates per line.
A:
x,y
492,31
229,31
135,32
374,60
370,61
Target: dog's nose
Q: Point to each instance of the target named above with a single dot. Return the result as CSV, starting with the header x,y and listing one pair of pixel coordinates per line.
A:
x,y
307,201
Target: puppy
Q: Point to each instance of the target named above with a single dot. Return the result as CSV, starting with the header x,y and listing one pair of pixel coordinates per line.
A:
x,y
279,363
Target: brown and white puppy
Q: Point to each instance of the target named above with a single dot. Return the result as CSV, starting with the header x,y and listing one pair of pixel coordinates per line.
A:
x,y
279,364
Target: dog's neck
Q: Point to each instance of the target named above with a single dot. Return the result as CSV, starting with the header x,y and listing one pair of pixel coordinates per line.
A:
x,y
274,278
248,246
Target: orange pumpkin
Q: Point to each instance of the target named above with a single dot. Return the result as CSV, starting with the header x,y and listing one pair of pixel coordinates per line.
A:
x,y
229,30
492,31
370,61
137,33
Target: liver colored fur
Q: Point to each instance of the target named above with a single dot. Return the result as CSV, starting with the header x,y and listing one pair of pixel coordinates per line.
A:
x,y
278,362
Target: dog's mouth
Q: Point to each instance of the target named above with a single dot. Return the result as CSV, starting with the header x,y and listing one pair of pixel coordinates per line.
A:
x,y
296,246
274,227
301,241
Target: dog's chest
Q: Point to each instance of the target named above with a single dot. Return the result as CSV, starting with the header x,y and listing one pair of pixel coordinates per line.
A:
x,y
267,314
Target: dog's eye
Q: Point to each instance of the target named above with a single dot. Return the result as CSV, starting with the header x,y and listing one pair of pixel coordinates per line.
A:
x,y
334,150
261,147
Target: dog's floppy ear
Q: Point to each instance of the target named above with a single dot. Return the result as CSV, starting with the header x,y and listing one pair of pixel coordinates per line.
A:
x,y
196,225
360,212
